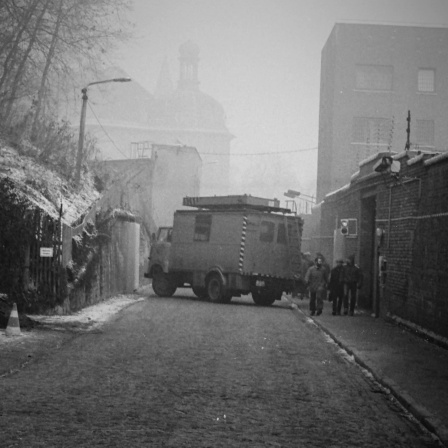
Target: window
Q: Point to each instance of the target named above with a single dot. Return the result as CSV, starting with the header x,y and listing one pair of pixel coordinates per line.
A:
x,y
267,231
426,80
202,226
374,77
281,234
371,131
424,132
165,234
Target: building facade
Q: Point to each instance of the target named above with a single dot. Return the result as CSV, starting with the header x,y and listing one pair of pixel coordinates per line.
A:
x,y
152,187
123,115
398,233
372,75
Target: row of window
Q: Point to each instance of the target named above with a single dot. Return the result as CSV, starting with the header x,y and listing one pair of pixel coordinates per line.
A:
x,y
203,225
378,131
380,77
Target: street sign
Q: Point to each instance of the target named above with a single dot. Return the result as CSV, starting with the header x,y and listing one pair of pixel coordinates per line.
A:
x,y
46,251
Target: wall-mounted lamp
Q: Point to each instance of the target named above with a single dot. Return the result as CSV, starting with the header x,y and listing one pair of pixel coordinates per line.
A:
x,y
387,165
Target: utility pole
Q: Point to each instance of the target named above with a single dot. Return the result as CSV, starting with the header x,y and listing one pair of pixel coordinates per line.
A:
x,y
408,132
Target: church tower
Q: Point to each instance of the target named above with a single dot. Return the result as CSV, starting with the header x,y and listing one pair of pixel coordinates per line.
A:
x,y
189,61
187,116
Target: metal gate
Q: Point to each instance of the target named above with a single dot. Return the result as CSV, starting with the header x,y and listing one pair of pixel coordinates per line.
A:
x,y
45,258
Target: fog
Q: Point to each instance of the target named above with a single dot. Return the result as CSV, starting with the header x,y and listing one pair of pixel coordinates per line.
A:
x,y
261,60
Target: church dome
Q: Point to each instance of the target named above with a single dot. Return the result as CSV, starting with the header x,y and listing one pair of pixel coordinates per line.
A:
x,y
186,107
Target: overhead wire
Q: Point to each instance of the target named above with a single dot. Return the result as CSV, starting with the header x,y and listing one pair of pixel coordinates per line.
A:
x,y
104,130
212,153
259,153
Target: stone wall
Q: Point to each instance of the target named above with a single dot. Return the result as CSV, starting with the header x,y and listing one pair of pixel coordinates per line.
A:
x,y
113,266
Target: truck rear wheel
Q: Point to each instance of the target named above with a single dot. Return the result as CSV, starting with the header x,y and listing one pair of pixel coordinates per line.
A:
x,y
216,289
264,298
162,285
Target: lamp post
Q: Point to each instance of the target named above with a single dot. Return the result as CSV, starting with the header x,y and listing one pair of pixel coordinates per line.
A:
x,y
83,123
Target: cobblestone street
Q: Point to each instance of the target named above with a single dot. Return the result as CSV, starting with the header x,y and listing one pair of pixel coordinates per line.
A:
x,y
182,372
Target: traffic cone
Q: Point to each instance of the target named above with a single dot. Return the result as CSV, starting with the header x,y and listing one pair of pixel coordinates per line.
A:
x,y
13,327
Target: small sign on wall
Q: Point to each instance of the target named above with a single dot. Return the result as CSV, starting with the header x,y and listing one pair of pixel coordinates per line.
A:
x,y
46,251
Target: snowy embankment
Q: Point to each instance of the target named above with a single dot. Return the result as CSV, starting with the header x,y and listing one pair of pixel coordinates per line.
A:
x,y
46,189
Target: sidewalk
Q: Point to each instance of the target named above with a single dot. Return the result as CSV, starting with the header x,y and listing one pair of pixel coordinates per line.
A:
x,y
53,332
413,369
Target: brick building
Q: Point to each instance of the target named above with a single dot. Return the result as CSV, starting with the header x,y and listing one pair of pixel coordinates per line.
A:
x,y
398,232
371,76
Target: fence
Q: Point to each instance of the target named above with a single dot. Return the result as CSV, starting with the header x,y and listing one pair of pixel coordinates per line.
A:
x,y
43,268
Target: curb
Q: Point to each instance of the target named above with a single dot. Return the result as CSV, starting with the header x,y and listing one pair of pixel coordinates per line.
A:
x,y
426,418
420,413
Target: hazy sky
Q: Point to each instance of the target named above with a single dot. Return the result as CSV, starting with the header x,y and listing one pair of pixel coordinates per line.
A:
x,y
261,60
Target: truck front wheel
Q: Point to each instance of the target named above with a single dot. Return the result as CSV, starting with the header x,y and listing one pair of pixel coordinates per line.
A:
x,y
199,291
162,285
216,289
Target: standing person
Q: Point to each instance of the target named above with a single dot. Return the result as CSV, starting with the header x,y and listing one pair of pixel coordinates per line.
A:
x,y
307,262
325,264
352,278
317,279
336,287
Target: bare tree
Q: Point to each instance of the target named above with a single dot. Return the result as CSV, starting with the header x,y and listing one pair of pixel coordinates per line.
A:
x,y
18,76
46,39
18,19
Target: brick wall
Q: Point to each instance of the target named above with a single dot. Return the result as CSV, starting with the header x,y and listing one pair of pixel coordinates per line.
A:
x,y
413,212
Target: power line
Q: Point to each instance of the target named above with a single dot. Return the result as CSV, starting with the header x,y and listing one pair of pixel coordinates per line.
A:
x,y
259,153
108,136
212,153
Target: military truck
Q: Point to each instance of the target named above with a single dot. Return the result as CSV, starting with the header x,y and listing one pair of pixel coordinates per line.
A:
x,y
227,247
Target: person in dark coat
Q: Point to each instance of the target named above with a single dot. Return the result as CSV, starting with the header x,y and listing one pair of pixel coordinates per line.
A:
x,y
317,279
325,264
336,287
307,262
352,278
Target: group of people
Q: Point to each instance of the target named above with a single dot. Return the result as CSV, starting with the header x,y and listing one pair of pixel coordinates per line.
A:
x,y
340,284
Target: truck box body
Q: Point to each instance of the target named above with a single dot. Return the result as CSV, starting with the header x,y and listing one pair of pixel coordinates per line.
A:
x,y
240,242
229,246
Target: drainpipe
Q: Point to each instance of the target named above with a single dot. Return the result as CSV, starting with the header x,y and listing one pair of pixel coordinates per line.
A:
x,y
389,218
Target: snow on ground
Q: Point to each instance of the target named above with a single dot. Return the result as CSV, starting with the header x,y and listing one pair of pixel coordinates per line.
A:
x,y
94,315
87,319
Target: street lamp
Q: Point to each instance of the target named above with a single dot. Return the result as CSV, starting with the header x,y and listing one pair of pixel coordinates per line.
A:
x,y
83,123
